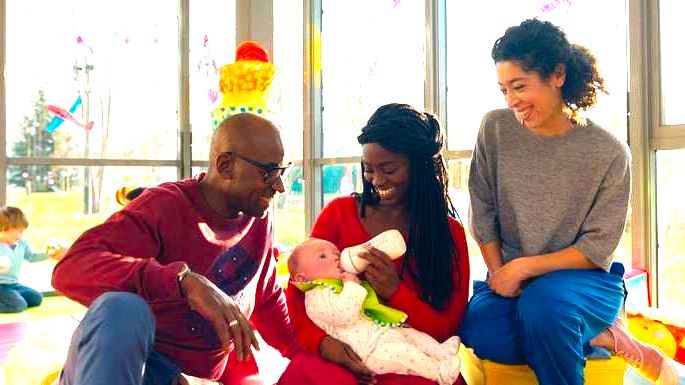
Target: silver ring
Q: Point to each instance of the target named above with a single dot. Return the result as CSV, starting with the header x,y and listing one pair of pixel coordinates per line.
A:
x,y
233,323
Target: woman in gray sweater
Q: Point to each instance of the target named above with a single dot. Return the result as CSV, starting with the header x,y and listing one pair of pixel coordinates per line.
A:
x,y
549,196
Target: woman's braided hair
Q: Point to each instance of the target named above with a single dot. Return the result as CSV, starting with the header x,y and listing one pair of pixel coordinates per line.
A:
x,y
431,252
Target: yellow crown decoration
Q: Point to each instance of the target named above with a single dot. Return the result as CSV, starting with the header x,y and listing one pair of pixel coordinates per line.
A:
x,y
245,84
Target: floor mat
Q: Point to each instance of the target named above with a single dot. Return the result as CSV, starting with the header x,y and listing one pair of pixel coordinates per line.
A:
x,y
51,307
10,334
56,315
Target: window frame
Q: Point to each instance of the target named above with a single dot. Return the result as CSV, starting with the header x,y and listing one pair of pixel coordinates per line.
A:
x,y
645,133
182,161
648,132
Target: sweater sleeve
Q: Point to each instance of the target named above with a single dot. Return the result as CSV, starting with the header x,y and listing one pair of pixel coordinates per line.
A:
x,y
483,219
440,324
603,226
118,255
271,313
31,256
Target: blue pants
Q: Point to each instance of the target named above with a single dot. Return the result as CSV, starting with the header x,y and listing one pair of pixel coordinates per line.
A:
x,y
15,298
113,346
548,326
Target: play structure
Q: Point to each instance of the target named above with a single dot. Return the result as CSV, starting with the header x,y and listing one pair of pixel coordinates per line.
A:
x,y
245,85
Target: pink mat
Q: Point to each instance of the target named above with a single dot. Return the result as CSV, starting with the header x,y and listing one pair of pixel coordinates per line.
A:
x,y
10,334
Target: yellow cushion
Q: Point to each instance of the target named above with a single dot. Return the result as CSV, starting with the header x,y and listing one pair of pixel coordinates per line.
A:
x,y
484,372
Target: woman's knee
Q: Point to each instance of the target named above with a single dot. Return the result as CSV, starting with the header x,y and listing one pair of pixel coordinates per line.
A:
x,y
486,311
490,331
542,311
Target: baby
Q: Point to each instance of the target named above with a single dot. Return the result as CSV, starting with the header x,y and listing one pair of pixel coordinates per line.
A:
x,y
382,347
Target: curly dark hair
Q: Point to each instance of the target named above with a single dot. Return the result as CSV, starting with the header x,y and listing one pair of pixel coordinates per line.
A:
x,y
432,256
540,46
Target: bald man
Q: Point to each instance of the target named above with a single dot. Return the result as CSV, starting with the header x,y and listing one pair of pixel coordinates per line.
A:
x,y
175,281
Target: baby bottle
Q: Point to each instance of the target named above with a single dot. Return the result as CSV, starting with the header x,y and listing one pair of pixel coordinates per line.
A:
x,y
390,242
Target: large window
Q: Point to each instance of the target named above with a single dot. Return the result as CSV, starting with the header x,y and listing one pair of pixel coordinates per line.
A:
x,y
94,102
472,88
373,53
670,159
671,226
288,105
340,180
212,45
115,70
458,170
672,31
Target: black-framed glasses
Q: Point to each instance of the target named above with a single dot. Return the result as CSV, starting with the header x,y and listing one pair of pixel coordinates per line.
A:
x,y
270,170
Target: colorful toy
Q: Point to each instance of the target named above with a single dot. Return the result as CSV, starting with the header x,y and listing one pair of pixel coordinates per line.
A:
x,y
126,194
55,249
61,114
653,333
637,283
661,328
245,83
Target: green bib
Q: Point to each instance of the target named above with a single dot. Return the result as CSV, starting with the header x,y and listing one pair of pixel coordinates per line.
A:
x,y
371,307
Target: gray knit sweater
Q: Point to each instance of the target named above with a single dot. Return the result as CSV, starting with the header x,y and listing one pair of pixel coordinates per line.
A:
x,y
539,194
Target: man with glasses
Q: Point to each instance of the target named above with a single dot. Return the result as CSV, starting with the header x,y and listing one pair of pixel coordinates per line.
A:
x,y
176,280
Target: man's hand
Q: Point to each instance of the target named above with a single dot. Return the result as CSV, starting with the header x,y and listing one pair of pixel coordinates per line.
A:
x,y
218,308
381,273
342,354
508,280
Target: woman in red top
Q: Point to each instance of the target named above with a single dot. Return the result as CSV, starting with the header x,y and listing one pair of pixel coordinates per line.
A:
x,y
404,188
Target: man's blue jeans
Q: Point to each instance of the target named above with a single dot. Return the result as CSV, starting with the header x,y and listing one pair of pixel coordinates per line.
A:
x,y
113,345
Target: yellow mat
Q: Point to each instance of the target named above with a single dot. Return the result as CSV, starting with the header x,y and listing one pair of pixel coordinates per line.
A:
x,y
52,312
51,307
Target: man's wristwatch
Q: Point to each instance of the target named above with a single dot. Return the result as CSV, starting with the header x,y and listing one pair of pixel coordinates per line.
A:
x,y
185,269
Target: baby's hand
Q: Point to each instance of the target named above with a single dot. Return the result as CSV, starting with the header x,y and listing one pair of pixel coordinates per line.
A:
x,y
350,277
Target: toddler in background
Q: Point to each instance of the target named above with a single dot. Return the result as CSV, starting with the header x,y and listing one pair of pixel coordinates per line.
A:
x,y
14,248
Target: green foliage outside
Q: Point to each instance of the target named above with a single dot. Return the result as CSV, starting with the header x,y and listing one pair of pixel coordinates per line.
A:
x,y
35,142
